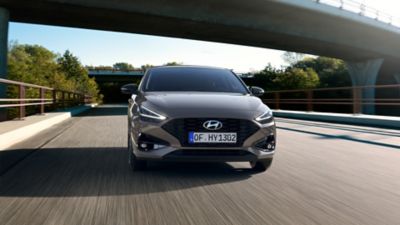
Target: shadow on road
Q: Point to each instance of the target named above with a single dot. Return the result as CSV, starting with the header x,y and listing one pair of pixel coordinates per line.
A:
x,y
104,171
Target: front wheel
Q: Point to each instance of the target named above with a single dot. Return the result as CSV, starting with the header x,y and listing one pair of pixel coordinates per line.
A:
x,y
261,165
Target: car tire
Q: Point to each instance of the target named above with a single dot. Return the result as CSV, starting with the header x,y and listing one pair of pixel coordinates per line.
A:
x,y
261,165
136,165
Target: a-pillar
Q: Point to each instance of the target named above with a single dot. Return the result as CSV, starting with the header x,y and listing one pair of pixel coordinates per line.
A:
x,y
4,18
365,73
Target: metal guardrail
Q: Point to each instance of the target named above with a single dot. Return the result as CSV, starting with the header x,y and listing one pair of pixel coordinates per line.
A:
x,y
363,10
354,97
60,98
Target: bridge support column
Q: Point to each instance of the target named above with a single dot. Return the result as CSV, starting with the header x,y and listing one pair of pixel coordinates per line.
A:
x,y
397,77
363,74
4,18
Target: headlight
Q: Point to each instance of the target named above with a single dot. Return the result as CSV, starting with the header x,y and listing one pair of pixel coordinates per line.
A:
x,y
265,118
147,113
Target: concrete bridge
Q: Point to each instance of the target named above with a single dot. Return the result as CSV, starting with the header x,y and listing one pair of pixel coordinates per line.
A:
x,y
77,173
115,75
370,47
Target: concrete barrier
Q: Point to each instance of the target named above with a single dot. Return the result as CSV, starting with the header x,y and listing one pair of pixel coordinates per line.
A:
x,y
364,120
12,132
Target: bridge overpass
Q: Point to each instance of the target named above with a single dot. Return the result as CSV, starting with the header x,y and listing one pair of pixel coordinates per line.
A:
x,y
110,82
115,75
369,46
322,174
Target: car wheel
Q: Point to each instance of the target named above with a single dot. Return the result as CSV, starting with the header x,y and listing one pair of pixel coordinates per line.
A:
x,y
261,165
135,164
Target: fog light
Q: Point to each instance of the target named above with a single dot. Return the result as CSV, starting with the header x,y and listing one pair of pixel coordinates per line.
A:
x,y
267,145
148,143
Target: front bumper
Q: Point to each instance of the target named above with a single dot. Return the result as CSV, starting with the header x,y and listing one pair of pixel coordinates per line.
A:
x,y
171,148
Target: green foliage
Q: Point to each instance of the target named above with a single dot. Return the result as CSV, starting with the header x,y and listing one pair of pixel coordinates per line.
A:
x,y
332,72
74,71
146,66
32,64
99,68
303,74
266,77
36,65
297,79
123,66
172,64
290,78
292,57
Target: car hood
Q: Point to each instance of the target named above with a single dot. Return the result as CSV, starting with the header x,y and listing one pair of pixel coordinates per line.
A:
x,y
195,104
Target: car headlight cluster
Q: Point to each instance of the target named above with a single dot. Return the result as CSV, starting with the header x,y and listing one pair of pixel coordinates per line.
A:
x,y
265,117
147,113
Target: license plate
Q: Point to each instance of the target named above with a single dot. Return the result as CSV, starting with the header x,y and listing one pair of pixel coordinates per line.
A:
x,y
204,137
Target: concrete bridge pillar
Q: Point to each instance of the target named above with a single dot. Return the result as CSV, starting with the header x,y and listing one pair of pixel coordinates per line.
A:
x,y
397,77
4,18
365,73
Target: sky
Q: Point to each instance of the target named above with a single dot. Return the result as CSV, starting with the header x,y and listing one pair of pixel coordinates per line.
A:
x,y
106,48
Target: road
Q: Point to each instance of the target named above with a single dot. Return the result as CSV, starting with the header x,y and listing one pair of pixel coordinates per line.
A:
x,y
322,174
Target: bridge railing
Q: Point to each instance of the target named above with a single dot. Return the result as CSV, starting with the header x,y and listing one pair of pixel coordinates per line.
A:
x,y
47,96
340,99
363,10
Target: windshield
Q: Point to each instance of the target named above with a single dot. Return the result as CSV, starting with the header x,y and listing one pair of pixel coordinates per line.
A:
x,y
193,79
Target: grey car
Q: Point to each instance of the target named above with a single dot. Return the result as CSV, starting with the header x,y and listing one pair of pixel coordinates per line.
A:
x,y
193,113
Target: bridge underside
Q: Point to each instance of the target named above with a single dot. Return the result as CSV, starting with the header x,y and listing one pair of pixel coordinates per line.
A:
x,y
269,24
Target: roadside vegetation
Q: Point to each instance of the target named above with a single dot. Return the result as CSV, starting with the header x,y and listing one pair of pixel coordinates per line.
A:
x,y
37,65
303,73
124,66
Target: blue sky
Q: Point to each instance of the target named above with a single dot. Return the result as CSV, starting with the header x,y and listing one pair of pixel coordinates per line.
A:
x,y
105,48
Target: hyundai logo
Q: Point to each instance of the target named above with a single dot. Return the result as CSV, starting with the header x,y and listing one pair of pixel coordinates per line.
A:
x,y
212,125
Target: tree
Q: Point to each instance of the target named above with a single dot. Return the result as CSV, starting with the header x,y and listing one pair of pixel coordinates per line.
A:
x,y
75,71
172,64
146,66
70,65
332,72
265,78
123,66
292,57
290,78
103,68
32,64
37,65
296,78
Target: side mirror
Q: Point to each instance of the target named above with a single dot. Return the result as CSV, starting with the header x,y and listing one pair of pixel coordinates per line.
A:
x,y
129,89
257,91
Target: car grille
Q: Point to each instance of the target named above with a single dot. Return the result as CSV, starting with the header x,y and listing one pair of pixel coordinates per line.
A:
x,y
180,129
207,152
211,155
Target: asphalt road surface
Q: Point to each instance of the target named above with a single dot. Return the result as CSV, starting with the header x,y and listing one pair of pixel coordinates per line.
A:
x,y
322,174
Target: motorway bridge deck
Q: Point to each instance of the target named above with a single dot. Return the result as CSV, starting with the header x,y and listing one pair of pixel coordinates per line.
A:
x,y
322,174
